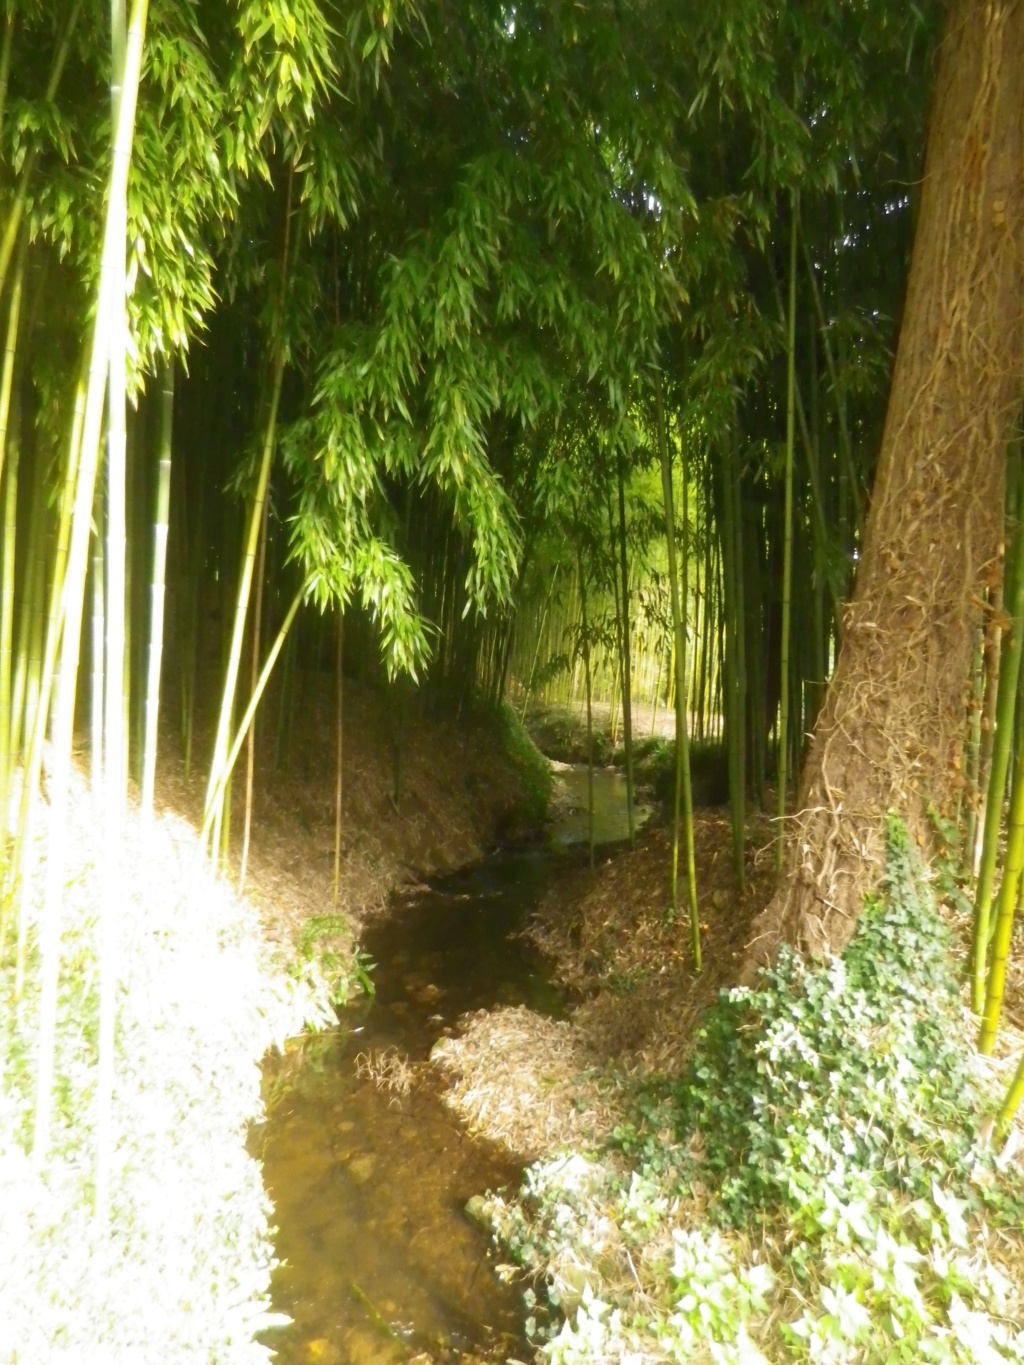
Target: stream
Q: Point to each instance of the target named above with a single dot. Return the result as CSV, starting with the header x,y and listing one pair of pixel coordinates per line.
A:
x,y
380,1264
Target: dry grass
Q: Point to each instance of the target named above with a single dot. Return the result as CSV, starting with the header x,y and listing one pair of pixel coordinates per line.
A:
x,y
521,1079
386,1069
531,1082
608,935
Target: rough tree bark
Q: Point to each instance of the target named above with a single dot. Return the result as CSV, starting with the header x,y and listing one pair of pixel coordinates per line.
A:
x,y
890,733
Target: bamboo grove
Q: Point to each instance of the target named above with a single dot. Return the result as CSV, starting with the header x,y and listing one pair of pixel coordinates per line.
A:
x,y
546,346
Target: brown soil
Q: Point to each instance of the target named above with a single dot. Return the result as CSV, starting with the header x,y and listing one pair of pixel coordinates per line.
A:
x,y
608,934
459,795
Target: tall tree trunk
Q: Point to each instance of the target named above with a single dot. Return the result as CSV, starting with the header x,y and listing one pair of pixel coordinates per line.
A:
x,y
893,720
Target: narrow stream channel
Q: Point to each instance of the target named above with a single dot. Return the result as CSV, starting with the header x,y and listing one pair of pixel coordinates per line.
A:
x,y
380,1263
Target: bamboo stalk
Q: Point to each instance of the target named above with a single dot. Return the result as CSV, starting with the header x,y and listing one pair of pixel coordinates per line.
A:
x,y
683,790
161,529
250,743
995,983
339,748
99,633
627,696
7,598
30,623
787,560
250,711
5,61
74,583
217,784
1009,670
1012,1102
115,733
585,641
10,529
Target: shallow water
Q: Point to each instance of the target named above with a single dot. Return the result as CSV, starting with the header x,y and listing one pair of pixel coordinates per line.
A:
x,y
381,1263
611,819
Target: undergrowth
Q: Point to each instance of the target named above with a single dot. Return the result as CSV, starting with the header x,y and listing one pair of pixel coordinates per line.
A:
x,y
533,767
178,1270
812,1190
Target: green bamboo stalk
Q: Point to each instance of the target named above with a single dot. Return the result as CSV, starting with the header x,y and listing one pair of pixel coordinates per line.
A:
x,y
756,668
972,755
158,591
7,598
188,635
31,616
5,62
9,438
217,784
838,391
627,697
11,347
338,752
683,789
992,657
232,755
733,677
787,559
540,639
1013,863
585,641
1012,1102
1009,669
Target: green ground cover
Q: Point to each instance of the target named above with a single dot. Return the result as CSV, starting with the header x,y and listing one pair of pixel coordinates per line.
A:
x,y
817,1187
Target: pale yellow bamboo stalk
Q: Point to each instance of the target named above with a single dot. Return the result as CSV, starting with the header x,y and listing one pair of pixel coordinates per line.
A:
x,y
250,754
161,530
22,864
115,730
74,585
10,533
243,729
99,635
218,784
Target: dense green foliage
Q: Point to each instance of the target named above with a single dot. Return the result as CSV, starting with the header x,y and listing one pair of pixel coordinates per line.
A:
x,y
829,1126
843,1081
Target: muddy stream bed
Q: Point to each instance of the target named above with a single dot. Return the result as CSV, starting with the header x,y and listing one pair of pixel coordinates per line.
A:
x,y
380,1263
